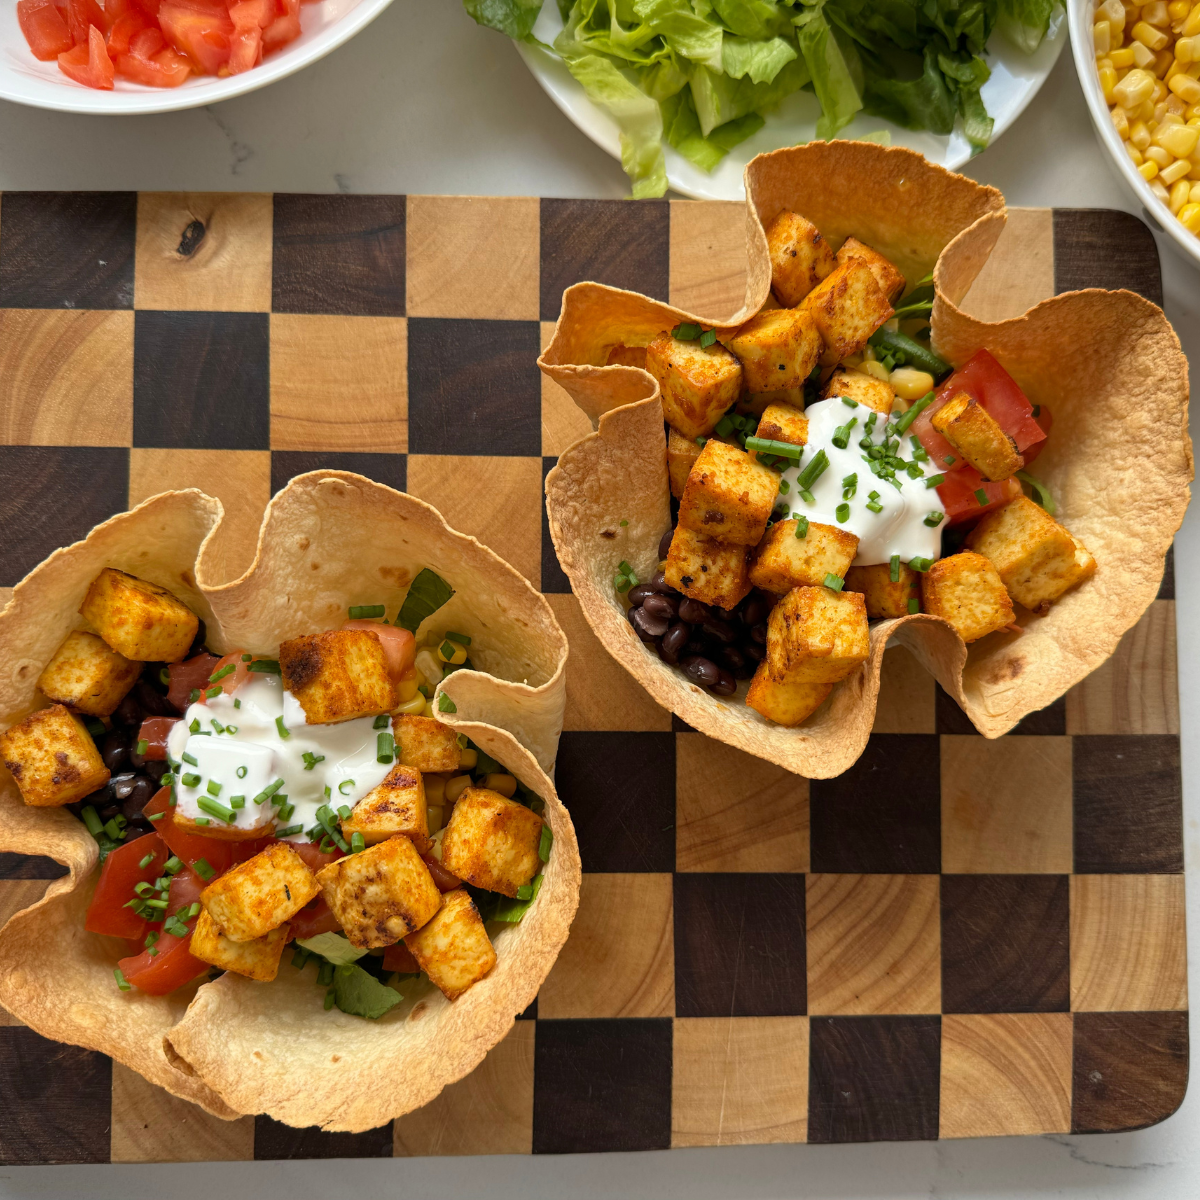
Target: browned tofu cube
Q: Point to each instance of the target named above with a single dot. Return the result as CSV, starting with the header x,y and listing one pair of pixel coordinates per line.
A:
x,y
220,832
777,349
397,805
817,635
784,703
883,597
756,403
728,495
338,675
626,356
258,959
891,282
682,453
977,436
783,423
1037,558
848,307
87,675
256,896
381,893
710,571
425,743
53,758
783,561
967,591
800,257
492,842
858,385
698,383
138,619
453,949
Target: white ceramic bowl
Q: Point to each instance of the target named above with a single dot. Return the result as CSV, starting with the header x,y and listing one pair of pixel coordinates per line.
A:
x,y
1079,17
324,26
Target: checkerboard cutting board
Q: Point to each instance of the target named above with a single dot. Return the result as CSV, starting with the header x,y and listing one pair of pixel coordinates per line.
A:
x,y
955,938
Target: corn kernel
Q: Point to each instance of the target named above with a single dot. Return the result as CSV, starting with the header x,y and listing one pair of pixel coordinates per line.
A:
x,y
1191,25
1189,217
1151,38
1164,60
1135,155
1186,88
1145,111
911,384
1160,111
407,689
1176,68
1120,122
1159,191
1185,50
458,653
1121,59
1108,81
414,704
1139,135
1174,172
1177,10
1180,140
1156,154
505,784
1135,89
1156,13
456,786
1142,57
1176,107
1101,36
1112,11
1180,191
468,759
1148,170
1170,118
876,369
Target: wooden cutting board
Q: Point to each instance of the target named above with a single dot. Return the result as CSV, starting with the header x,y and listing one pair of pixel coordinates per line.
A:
x,y
956,938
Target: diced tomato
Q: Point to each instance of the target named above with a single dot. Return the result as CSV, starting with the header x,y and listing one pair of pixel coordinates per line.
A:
x,y
169,967
234,680
314,857
441,877
191,675
1045,418
185,890
124,30
285,28
108,912
88,63
149,7
44,29
398,957
315,917
155,731
958,494
198,30
84,13
163,68
149,42
192,847
399,645
114,10
245,50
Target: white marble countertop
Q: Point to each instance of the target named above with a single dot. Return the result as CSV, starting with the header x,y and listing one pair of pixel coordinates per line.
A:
x,y
423,101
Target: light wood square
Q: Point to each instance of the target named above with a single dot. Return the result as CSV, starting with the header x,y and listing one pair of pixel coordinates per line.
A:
x,y
1006,805
339,383
474,256
734,812
620,958
498,500
66,377
739,1081
874,944
563,421
1005,1073
488,1112
240,479
907,695
227,270
1019,273
1128,949
708,256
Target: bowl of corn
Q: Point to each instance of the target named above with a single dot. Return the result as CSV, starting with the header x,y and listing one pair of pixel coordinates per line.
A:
x,y
1139,65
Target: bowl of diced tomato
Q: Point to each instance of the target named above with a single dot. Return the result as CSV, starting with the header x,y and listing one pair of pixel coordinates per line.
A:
x,y
143,56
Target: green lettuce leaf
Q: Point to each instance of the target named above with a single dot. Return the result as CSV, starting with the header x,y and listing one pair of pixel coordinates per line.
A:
x,y
761,60
332,946
513,17
832,72
1026,22
752,18
718,99
921,103
687,34
360,994
683,132
426,595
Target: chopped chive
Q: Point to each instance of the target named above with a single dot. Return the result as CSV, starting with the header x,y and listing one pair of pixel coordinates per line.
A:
x,y
247,657
158,904
708,337
227,669
91,818
874,506
812,472
284,731
289,831
146,861
326,846
841,435
445,704
164,676
268,666
894,574
801,527
834,582
525,891
193,696
155,816
914,605
686,331
906,419
344,786
194,907
446,650
701,442
776,448
194,727
622,523
237,801
344,812
214,788
143,888
268,791
918,451
191,779
151,937
357,843
934,480
981,496
142,746
920,564
204,804
546,842
236,702
842,512
278,799
949,460
285,812
366,612
328,793
385,747
807,496
464,639
849,404
242,771
173,865
217,725
784,487
381,722
201,867
934,519
190,760
311,759
201,821
122,982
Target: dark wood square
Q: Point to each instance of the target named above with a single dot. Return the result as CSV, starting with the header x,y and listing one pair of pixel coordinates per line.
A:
x,y
1082,258
883,816
602,1085
530,1014
740,945
67,249
383,468
554,578
339,254
1050,721
1128,800
30,866
1006,943
274,1140
1166,589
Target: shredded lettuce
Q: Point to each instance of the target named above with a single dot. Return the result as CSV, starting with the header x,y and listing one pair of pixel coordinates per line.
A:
x,y
334,947
360,994
427,593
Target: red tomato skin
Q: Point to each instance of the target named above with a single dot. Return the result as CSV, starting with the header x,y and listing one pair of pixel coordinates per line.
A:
x,y
80,15
164,68
285,27
154,732
314,918
314,857
44,29
193,674
398,957
89,63
443,879
107,912
198,31
234,680
189,846
958,495
1044,418
171,967
124,30
399,645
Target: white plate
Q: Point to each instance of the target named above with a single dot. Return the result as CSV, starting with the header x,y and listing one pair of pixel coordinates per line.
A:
x,y
1015,80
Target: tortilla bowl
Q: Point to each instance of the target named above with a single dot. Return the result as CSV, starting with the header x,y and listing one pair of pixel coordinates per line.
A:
x,y
1119,460
329,540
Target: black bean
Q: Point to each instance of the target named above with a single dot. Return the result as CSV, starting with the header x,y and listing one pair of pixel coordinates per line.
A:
x,y
734,661
139,796
116,748
658,605
129,712
673,643
154,703
701,670
658,582
637,595
759,634
198,642
754,611
692,611
754,652
646,625
109,811
726,685
120,786
664,544
156,770
135,831
726,634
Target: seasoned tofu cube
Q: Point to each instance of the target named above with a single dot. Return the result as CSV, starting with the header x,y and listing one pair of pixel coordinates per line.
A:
x,y
397,805
883,597
52,758
977,436
800,257
777,349
858,385
425,743
87,675
256,896
682,452
1037,558
453,949
783,423
492,842
138,619
710,571
817,635
784,703
381,893
728,495
756,403
783,561
848,307
967,591
258,959
626,356
698,383
891,282
338,675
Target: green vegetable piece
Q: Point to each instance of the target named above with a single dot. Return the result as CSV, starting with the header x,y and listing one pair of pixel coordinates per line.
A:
x,y
428,593
333,947
445,704
360,994
546,842
366,612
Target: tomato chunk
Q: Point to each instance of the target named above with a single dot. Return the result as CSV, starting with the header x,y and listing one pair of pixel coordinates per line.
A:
x,y
88,63
200,31
398,957
44,29
399,645
315,917
192,847
234,680
443,880
192,674
164,68
154,732
314,857
108,912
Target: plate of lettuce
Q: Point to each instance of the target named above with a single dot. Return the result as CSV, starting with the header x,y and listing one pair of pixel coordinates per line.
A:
x,y
686,92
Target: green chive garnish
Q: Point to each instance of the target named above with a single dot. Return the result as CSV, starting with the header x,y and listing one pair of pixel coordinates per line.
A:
x,y
204,804
801,527
201,867
385,747
201,821
842,512
158,904
813,471
834,583
841,435
934,480
242,771
525,891
849,404
446,649
464,639
237,801
981,496
381,722
311,759
894,574
934,519
289,831
91,818
122,982
357,843
366,612
914,605
920,564
807,496
686,331
949,460
191,779
344,812
236,704
906,419
284,731
190,760
285,812
217,725
776,448
214,788
874,506
172,866
344,787
194,727
268,791
545,844
268,666
143,746
227,669
155,816
146,861
193,695
445,704
247,657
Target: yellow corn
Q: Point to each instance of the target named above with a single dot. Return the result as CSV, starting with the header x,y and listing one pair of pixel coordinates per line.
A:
x,y
911,384
414,705
1191,25
1151,38
1176,107
1185,50
1101,37
1156,13
874,368
1180,140
406,689
1142,57
1135,89
1148,170
1178,9
1176,68
1156,154
1145,111
1122,59
456,786
1194,194
1120,122
1174,172
468,759
1139,135
1135,155
1160,111
435,788
1108,81
1159,191
1112,11
434,814
457,655
1189,217
506,785
1180,191
1186,88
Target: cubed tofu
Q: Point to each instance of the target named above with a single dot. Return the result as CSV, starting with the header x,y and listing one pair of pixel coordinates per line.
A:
x,y
258,959
977,436
492,842
338,675
1037,558
848,307
710,571
883,597
219,832
397,805
682,453
138,619
777,349
53,758
728,495
425,743
380,894
756,403
782,561
259,895
817,635
891,282
698,383
967,591
453,949
800,257
87,675
858,385
784,703
626,356
783,423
